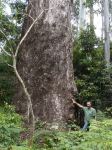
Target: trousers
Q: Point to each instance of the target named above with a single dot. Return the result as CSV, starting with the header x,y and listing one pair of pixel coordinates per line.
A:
x,y
86,125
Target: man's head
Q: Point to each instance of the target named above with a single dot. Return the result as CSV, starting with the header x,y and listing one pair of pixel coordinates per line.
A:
x,y
89,104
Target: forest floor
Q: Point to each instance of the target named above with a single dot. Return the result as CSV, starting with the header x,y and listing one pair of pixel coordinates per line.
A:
x,y
98,138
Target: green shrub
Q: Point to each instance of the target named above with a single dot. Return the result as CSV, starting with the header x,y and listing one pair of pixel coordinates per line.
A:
x,y
92,76
99,138
10,126
6,83
57,140
108,111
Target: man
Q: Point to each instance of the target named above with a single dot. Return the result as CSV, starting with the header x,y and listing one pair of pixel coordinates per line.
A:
x,y
89,113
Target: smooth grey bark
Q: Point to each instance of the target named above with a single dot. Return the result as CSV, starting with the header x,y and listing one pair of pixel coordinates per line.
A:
x,y
106,32
110,8
91,14
82,14
102,15
45,61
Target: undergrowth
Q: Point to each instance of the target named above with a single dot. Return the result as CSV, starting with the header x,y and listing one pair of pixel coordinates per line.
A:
x,y
98,138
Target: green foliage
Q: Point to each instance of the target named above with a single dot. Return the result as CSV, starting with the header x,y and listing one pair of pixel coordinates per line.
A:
x,y
109,111
10,126
40,125
99,137
10,24
88,39
92,81
90,3
10,32
18,9
56,140
71,125
6,83
92,77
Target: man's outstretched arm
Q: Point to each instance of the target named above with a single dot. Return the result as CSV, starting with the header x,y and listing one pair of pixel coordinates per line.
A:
x,y
79,105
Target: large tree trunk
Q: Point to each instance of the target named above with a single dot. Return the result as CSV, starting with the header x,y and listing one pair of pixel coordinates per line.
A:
x,y
45,61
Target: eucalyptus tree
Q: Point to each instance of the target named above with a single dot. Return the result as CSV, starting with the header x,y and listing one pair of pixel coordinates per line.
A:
x,y
107,32
75,18
82,14
45,61
110,10
91,6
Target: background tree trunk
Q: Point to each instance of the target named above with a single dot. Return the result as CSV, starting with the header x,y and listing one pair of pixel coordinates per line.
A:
x,y
45,61
102,15
82,14
106,32
91,14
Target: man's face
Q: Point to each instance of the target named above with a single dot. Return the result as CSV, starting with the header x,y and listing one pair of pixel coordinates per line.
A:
x,y
88,104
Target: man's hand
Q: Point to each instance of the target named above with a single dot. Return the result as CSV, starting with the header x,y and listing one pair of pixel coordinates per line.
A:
x,y
79,105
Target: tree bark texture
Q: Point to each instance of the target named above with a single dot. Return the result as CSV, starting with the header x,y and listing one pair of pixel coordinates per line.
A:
x,y
107,32
45,61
